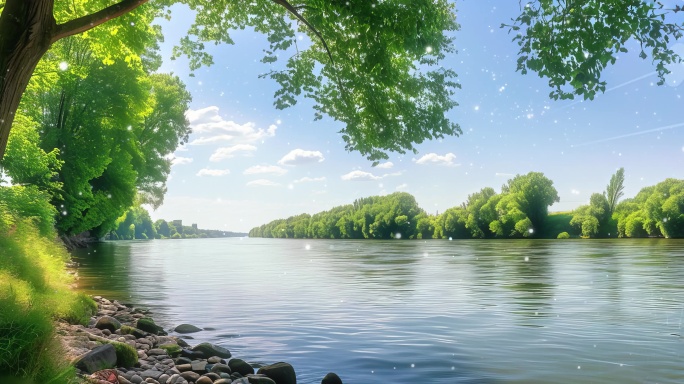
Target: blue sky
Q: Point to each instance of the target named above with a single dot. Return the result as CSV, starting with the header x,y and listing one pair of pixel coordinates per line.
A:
x,y
248,163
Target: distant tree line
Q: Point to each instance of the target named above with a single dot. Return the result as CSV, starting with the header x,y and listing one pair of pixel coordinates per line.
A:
x,y
520,210
136,224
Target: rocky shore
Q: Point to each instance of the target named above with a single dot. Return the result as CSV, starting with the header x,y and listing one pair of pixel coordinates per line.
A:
x,y
123,345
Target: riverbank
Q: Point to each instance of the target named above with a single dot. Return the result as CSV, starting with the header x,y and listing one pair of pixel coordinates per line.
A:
x,y
123,345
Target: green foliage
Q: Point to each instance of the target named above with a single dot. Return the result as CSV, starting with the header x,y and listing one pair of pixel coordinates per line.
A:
x,y
34,290
172,349
655,211
126,356
563,235
571,43
28,202
27,163
377,217
114,125
615,190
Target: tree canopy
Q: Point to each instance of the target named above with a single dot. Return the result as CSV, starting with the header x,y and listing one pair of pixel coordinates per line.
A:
x,y
374,66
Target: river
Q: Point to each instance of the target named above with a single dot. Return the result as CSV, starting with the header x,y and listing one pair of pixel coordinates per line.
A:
x,y
437,311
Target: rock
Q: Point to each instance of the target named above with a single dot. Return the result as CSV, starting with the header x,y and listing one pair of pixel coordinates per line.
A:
x,y
212,376
240,366
199,367
106,332
102,357
192,354
150,373
123,380
151,381
136,379
183,360
281,373
208,350
156,352
331,378
147,324
163,378
204,380
223,381
186,328
172,349
182,343
218,368
184,367
105,376
128,330
108,322
260,379
242,380
214,360
190,375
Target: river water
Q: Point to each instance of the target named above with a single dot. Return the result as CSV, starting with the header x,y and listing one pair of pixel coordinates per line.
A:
x,y
529,311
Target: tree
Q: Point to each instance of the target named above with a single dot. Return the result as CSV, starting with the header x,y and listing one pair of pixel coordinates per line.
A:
x,y
536,193
26,163
571,42
615,190
379,74
374,66
113,127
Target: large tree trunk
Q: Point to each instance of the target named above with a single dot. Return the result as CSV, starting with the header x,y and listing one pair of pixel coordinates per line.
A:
x,y
26,29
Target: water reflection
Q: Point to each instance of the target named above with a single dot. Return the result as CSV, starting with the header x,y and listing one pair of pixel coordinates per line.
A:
x,y
409,311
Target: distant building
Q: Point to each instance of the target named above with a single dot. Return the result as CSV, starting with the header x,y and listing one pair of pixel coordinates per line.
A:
x,y
194,226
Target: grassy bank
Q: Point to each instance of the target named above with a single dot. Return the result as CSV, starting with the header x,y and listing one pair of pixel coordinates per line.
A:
x,y
34,291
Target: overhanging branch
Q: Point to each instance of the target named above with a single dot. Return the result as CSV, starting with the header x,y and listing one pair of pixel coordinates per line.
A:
x,y
87,22
301,18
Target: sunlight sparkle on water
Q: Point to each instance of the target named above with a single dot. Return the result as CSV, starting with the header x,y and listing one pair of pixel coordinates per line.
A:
x,y
307,247
397,236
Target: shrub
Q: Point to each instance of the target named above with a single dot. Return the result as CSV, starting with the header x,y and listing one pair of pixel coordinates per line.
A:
x,y
563,235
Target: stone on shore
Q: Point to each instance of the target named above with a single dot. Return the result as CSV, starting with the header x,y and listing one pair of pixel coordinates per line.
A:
x,y
240,366
147,324
218,368
331,378
281,373
208,350
102,357
186,328
172,349
260,379
108,322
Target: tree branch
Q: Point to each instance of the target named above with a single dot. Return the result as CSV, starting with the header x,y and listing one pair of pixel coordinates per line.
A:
x,y
87,22
301,18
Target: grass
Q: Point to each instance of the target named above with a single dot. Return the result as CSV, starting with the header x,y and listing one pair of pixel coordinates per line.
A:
x,y
34,291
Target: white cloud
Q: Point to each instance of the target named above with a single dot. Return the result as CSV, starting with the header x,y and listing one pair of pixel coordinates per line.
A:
x,y
212,139
258,169
503,174
207,120
386,165
178,160
433,158
402,187
228,152
213,172
300,156
360,176
263,183
309,179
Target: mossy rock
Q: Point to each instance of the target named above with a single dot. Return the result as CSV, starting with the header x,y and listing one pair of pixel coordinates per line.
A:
x,y
126,356
147,324
172,349
128,330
